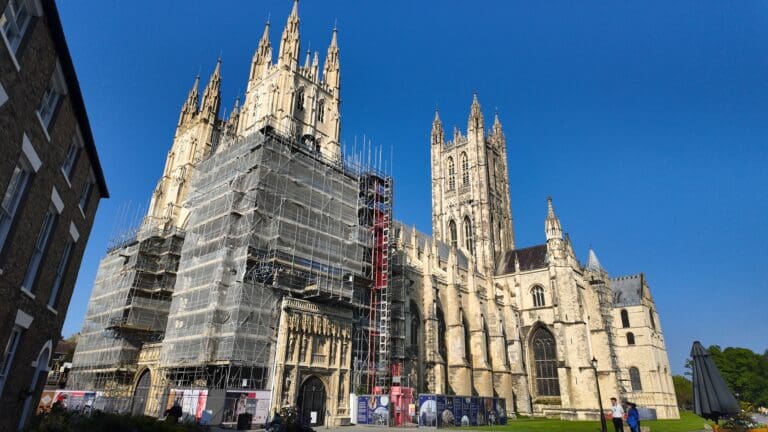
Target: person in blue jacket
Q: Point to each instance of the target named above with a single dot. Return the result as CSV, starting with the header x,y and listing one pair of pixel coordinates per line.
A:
x,y
633,417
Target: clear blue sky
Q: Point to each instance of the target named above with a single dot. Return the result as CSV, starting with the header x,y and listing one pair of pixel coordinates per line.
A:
x,y
646,122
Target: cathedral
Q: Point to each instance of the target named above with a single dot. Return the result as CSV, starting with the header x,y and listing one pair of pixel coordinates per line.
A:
x,y
269,272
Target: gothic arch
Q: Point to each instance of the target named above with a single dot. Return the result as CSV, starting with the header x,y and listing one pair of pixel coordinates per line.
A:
x,y
542,349
537,296
469,235
624,318
312,397
451,176
453,235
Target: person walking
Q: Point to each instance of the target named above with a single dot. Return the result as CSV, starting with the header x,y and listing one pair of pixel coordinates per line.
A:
x,y
617,412
633,417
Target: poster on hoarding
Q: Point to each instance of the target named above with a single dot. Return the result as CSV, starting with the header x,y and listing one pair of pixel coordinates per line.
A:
x,y
473,408
192,402
428,411
373,410
255,403
444,414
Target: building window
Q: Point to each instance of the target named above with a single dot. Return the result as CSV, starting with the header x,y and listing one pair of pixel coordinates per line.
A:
x,y
10,351
545,363
321,111
40,246
12,198
451,174
538,296
634,378
14,22
630,338
85,194
61,271
464,170
453,235
469,239
653,321
51,98
415,329
300,99
68,167
624,318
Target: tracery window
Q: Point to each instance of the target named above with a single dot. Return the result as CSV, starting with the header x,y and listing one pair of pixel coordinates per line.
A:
x,y
464,170
545,363
469,239
300,99
453,235
634,378
538,296
321,111
451,174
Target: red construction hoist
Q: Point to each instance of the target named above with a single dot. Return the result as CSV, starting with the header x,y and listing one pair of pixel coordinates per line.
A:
x,y
380,204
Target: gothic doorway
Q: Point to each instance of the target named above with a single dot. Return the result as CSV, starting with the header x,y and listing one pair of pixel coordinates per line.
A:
x,y
141,394
311,403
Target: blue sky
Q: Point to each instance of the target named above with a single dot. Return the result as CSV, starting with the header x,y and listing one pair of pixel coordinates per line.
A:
x,y
646,122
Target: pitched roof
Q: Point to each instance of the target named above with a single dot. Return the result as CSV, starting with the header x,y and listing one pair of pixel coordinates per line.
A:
x,y
627,290
530,258
76,96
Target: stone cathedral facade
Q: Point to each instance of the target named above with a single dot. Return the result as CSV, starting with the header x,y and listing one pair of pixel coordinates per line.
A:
x,y
250,272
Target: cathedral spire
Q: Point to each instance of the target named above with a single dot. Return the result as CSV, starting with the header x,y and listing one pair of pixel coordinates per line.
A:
x,y
497,129
289,43
332,68
212,94
552,226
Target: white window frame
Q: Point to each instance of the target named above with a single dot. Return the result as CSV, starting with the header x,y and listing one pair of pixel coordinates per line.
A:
x,y
61,272
86,192
52,97
9,353
73,153
9,206
41,246
9,22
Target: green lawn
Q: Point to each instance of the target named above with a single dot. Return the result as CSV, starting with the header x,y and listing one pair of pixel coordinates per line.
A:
x,y
688,422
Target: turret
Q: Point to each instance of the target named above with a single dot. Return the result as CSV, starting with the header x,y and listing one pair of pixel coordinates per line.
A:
x,y
212,95
437,130
189,109
552,226
475,123
289,43
332,68
593,263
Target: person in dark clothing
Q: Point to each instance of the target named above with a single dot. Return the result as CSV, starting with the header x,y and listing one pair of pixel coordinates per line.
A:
x,y
276,425
633,417
174,413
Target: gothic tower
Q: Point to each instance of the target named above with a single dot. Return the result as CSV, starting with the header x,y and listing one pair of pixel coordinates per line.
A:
x,y
197,132
470,189
291,98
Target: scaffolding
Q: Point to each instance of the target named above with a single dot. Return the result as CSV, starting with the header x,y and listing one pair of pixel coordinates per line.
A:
x,y
128,307
269,217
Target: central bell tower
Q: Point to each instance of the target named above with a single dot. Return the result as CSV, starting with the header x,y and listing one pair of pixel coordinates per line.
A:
x,y
470,189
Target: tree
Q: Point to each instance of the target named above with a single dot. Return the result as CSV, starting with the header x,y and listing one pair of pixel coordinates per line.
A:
x,y
745,372
683,391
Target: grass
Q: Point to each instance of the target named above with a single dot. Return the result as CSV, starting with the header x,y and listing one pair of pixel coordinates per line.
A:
x,y
688,422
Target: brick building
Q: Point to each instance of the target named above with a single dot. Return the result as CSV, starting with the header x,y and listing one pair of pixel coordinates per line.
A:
x,y
50,186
